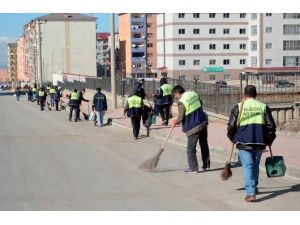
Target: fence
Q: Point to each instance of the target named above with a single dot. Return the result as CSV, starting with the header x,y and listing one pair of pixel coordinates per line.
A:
x,y
217,98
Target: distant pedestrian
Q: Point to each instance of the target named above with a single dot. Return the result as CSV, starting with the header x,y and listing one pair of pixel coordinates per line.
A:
x,y
194,125
74,105
18,93
56,97
81,98
99,106
133,108
42,97
165,99
29,94
52,92
139,88
34,93
256,129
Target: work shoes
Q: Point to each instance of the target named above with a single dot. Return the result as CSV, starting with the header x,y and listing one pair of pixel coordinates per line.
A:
x,y
191,171
250,198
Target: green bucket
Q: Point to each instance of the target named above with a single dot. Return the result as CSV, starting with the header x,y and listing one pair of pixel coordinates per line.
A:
x,y
153,119
275,166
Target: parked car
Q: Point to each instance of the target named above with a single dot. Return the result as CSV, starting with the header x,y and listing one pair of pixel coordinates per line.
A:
x,y
284,84
221,83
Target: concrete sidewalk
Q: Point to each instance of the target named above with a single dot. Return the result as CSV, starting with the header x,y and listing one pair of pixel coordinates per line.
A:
x,y
285,144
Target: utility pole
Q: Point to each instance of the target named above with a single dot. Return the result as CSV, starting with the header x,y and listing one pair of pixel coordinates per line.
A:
x,y
113,61
40,53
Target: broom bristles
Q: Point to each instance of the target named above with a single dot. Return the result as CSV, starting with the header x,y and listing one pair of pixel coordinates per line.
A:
x,y
226,173
151,163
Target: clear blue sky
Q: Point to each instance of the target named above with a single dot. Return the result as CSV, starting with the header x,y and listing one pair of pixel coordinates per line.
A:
x,y
11,24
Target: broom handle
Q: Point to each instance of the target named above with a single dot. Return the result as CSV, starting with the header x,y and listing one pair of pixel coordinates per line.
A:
x,y
238,123
165,141
271,151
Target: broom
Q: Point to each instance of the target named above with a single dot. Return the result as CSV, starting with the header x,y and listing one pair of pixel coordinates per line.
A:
x,y
49,108
227,173
151,163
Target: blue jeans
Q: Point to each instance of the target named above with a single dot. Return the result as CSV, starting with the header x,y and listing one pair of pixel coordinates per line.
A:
x,y
250,161
100,115
18,97
52,100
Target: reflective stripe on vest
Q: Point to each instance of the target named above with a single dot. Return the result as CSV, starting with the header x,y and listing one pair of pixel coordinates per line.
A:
x,y
74,96
252,112
167,89
252,121
194,115
190,101
52,90
41,93
134,102
34,90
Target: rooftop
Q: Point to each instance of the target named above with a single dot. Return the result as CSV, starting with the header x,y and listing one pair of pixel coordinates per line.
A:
x,y
66,16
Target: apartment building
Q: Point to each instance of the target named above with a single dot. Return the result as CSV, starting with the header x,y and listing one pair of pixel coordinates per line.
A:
x,y
12,61
61,43
3,75
137,32
274,43
21,60
103,56
202,46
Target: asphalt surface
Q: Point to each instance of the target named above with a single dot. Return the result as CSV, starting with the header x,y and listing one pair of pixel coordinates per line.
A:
x,y
49,163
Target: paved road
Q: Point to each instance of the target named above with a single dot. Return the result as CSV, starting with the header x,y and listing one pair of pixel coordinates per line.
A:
x,y
48,163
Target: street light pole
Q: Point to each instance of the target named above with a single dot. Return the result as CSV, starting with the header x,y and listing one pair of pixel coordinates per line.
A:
x,y
40,53
113,62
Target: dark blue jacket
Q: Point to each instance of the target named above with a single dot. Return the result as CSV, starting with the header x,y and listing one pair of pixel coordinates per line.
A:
x,y
139,90
99,102
57,95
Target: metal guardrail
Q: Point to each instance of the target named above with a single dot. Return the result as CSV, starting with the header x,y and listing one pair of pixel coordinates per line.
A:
x,y
216,98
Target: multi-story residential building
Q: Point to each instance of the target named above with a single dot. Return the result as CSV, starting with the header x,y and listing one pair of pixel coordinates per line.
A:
x,y
274,43
12,61
3,75
61,42
21,60
205,46
137,32
103,56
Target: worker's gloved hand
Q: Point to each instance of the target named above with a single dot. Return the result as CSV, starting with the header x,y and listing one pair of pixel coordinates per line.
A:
x,y
174,123
269,145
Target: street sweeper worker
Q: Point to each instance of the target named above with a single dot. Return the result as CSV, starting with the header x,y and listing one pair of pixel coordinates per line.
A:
x,y
81,98
74,105
194,125
256,130
99,106
133,108
42,97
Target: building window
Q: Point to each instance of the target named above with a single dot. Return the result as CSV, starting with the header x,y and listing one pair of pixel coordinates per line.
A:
x,y
212,31
196,77
225,31
268,61
196,62
242,31
268,45
212,77
226,77
242,46
181,15
253,45
291,60
196,47
268,29
242,15
181,77
181,31
225,15
291,29
242,61
268,14
253,16
196,15
181,62
149,55
226,61
150,45
149,25
291,45
291,15
212,62
253,60
149,35
212,46
196,31
253,30
226,46
212,15
181,47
